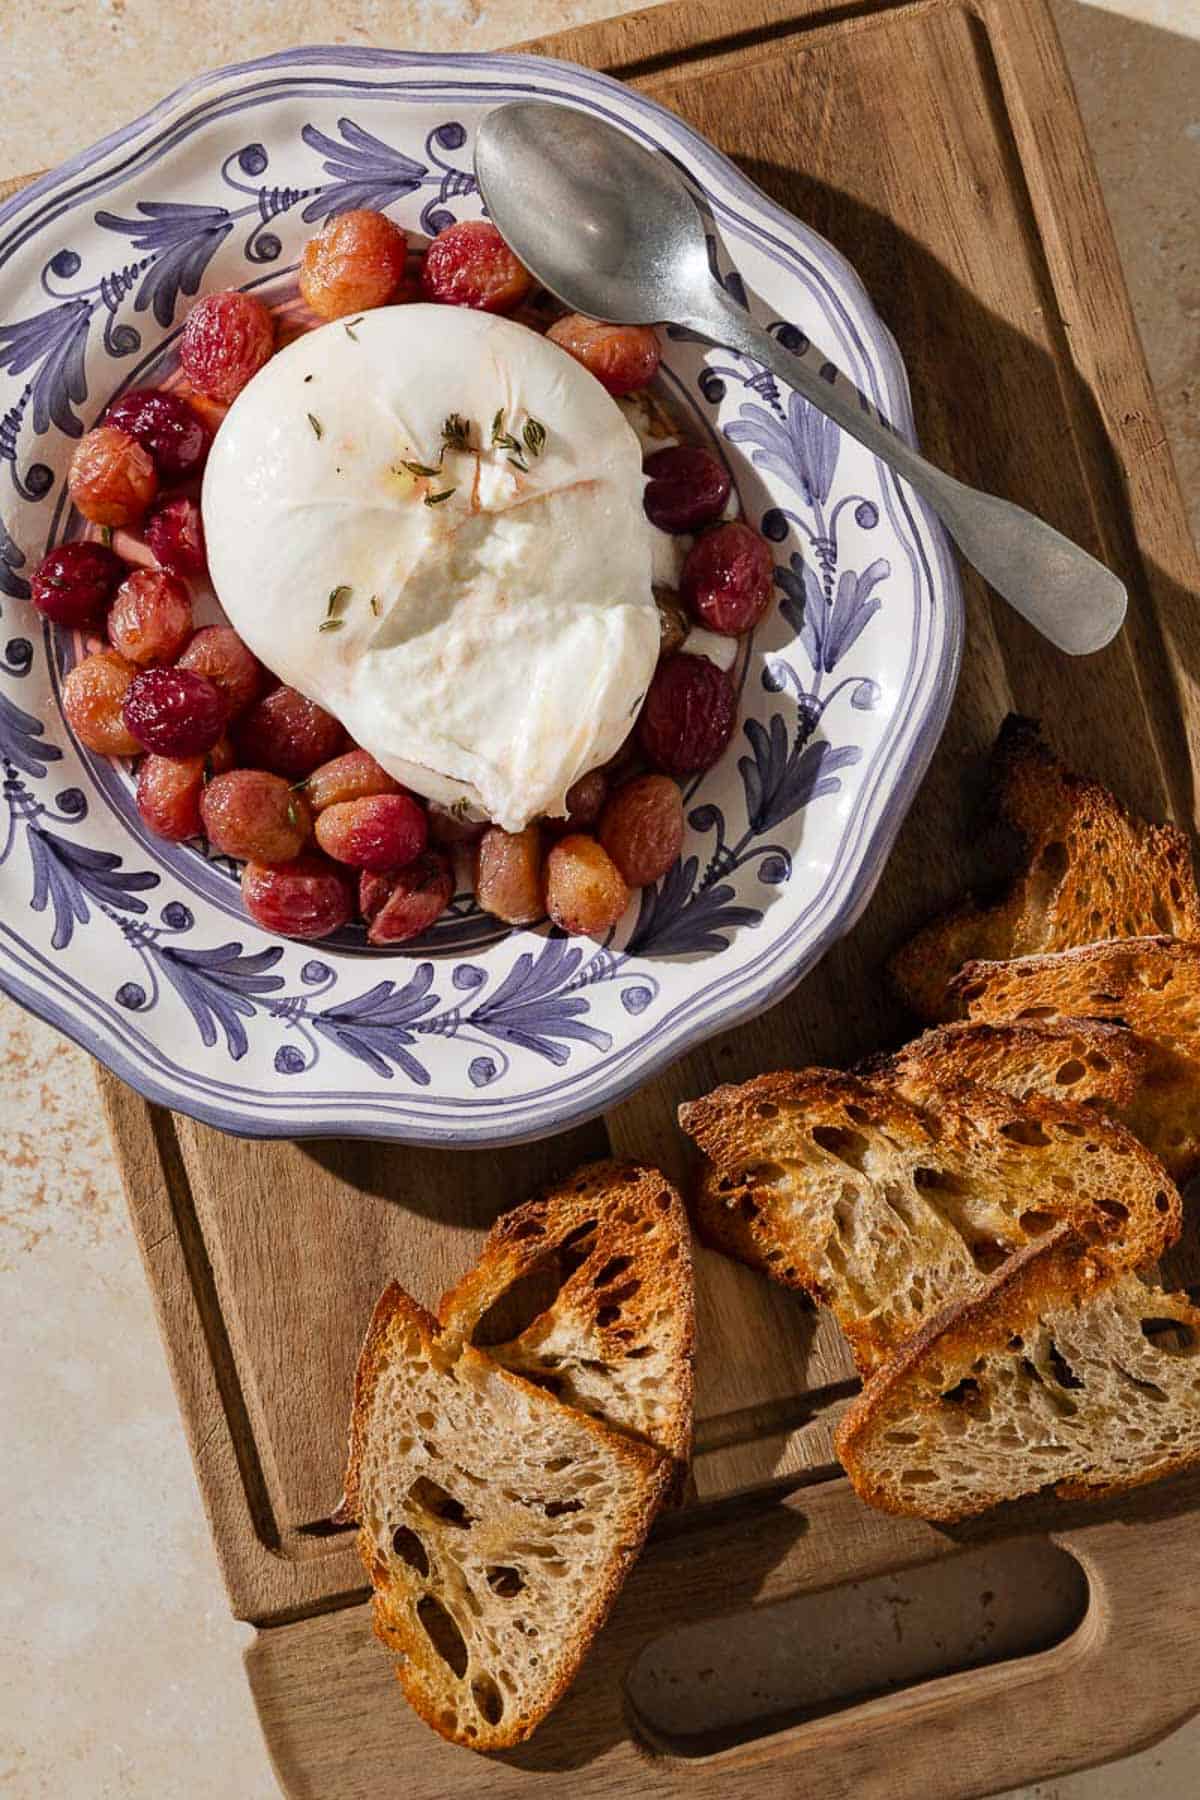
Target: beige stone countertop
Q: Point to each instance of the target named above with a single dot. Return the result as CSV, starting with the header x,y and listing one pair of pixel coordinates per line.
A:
x,y
120,1672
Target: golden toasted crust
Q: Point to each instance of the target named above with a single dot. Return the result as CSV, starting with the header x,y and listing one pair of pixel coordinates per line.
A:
x,y
1077,1060
1150,986
614,1244
1092,870
1048,1281
422,1672
884,1210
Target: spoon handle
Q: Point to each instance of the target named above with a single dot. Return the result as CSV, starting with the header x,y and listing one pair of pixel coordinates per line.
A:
x,y
1070,597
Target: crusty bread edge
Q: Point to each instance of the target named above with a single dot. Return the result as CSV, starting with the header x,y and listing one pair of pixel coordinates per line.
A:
x,y
1061,1265
651,1468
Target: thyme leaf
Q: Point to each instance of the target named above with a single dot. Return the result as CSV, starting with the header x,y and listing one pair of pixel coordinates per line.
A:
x,y
456,433
534,435
318,428
436,499
348,327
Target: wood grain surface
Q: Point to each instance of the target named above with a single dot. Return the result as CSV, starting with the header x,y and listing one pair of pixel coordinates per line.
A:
x,y
938,145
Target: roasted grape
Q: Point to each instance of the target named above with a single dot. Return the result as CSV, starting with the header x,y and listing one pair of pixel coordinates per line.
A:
x,y
150,620
585,893
169,789
585,797
255,816
381,831
174,712
688,714
355,262
175,534
111,478
74,584
402,905
642,828
354,776
218,652
288,734
726,579
621,357
673,625
226,339
307,898
93,697
469,264
687,487
508,874
165,425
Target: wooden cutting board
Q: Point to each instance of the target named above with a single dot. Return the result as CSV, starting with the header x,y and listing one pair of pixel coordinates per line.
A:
x,y
938,145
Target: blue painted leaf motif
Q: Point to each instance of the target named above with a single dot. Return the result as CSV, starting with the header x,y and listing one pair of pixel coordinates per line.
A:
x,y
779,779
53,342
675,918
533,1008
365,170
803,605
182,240
802,449
66,874
378,1026
220,987
853,608
21,743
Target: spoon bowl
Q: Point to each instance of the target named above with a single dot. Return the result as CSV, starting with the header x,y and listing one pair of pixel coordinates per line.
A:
x,y
607,225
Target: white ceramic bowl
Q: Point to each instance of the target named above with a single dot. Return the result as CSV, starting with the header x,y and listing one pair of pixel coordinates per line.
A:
x,y
139,949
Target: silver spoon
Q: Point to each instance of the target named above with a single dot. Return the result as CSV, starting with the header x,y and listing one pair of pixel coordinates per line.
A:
x,y
612,229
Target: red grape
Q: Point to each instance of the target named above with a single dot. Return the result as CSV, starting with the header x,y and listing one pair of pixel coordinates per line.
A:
x,y
469,264
169,789
400,906
381,831
111,478
93,697
255,816
174,712
165,425
288,734
688,487
508,874
354,776
73,584
151,618
175,533
307,898
585,797
688,716
355,262
584,889
226,339
621,357
642,828
218,652
726,579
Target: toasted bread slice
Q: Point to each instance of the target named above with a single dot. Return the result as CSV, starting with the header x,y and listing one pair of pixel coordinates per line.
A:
x,y
1092,870
607,1255
1079,1060
1062,1373
886,1211
1149,985
496,1524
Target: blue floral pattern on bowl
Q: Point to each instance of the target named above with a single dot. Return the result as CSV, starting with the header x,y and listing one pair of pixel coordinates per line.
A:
x,y
140,950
